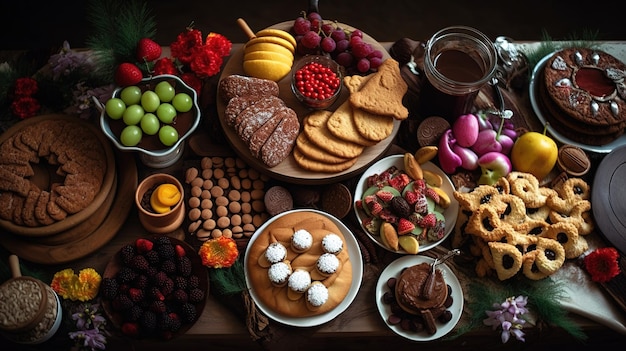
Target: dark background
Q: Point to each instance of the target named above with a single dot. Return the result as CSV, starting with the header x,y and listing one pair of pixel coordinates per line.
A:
x,y
31,24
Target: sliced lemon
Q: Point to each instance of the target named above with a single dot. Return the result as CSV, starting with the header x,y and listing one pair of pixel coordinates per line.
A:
x,y
273,32
266,69
268,55
273,40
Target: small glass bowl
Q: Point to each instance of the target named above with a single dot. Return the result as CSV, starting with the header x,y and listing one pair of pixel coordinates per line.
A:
x,y
310,102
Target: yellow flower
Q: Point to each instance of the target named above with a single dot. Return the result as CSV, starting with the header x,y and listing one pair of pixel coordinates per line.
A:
x,y
81,287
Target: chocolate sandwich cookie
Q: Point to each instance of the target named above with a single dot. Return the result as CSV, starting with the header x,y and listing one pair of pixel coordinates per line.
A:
x,y
277,200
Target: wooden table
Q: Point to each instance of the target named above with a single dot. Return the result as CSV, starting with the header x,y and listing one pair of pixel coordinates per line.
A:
x,y
220,327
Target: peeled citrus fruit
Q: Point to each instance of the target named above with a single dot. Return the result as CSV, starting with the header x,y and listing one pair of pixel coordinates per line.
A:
x,y
268,47
268,55
277,33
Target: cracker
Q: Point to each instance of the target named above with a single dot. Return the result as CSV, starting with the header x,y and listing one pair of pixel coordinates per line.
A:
x,y
371,126
317,166
342,124
316,129
382,94
314,152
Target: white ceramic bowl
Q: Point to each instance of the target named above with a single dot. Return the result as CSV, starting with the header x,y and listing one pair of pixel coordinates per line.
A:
x,y
151,151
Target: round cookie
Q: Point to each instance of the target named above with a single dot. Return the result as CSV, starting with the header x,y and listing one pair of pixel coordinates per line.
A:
x,y
336,199
431,129
277,199
316,129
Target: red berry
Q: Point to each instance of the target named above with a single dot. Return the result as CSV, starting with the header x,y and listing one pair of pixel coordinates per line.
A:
x,y
128,74
148,50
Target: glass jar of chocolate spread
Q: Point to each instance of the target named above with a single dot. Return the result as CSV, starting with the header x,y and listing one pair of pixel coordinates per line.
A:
x,y
458,62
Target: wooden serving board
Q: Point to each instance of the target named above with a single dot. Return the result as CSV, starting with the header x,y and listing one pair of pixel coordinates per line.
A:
x,y
36,252
288,170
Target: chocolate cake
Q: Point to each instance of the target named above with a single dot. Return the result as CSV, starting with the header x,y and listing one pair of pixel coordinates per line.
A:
x,y
583,94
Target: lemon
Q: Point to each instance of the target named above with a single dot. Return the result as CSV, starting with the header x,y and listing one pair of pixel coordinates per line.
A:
x,y
273,32
273,40
268,55
266,69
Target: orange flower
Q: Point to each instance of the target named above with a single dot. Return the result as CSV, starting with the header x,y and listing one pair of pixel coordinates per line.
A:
x,y
220,252
62,282
83,287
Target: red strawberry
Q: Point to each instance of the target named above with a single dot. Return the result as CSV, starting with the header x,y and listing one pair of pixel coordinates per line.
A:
x,y
428,221
429,192
400,181
130,329
128,74
147,50
180,251
405,226
376,208
384,195
411,197
143,245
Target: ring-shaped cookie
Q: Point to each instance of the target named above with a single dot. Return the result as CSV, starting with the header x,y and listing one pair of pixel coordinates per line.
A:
x,y
529,267
579,215
526,187
506,258
566,234
480,195
568,194
514,209
485,223
550,255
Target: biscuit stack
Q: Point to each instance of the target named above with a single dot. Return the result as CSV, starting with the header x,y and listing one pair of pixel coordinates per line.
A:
x,y
516,226
332,141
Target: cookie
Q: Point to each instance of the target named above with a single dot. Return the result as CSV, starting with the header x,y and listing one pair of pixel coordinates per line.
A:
x,y
382,94
341,124
316,129
566,234
277,200
371,126
526,186
314,152
550,256
506,258
431,129
336,199
319,166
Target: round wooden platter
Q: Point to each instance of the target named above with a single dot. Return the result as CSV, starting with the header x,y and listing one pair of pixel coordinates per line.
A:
x,y
288,170
72,223
38,252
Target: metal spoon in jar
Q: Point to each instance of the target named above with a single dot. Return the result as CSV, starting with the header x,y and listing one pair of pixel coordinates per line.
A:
x,y
429,284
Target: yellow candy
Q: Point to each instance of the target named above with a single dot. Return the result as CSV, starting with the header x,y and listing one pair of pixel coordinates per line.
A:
x,y
163,197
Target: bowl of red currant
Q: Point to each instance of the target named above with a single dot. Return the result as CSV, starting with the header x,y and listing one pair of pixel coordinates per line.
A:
x,y
316,81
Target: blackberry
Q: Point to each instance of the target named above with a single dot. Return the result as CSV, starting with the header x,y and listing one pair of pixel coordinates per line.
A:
x,y
134,313
108,288
166,251
151,272
139,263
159,278
136,294
155,294
168,266
126,275
175,322
196,295
194,281
188,312
142,281
163,240
148,321
158,306
183,265
127,252
122,302
167,286
180,296
164,321
152,257
180,282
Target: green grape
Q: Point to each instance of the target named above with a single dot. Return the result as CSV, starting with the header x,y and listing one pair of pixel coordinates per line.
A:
x,y
166,112
165,91
168,135
132,115
182,102
150,101
131,135
131,95
150,123
114,108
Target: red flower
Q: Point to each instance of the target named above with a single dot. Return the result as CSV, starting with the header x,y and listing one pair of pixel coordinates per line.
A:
x,y
602,264
183,47
25,87
218,43
25,107
193,81
205,63
165,66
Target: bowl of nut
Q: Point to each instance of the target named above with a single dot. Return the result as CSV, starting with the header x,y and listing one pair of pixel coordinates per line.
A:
x,y
152,118
316,81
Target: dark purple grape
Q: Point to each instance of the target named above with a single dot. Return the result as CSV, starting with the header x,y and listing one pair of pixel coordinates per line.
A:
x,y
328,44
316,25
310,40
301,25
363,65
314,15
327,29
345,59
342,45
338,34
375,62
356,33
362,50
